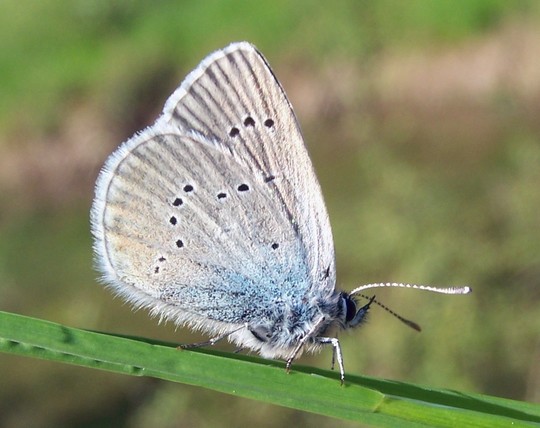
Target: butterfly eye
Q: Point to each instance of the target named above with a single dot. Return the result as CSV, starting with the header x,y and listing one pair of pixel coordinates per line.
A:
x,y
351,309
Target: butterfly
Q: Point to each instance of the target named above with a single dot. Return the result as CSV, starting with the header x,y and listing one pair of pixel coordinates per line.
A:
x,y
213,217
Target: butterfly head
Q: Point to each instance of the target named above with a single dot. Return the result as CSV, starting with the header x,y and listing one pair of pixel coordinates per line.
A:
x,y
352,314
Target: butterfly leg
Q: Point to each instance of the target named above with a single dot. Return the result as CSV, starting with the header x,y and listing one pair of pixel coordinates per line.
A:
x,y
301,343
336,353
210,342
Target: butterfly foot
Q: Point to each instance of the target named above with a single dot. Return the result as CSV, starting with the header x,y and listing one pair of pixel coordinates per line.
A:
x,y
288,365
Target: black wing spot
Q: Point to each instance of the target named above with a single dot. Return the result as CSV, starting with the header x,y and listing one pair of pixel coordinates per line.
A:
x,y
173,220
249,121
179,243
234,131
327,273
221,195
177,202
269,178
269,123
243,188
275,246
188,188
157,268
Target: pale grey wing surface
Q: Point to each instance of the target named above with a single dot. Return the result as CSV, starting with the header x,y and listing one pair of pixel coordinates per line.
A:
x,y
234,100
185,229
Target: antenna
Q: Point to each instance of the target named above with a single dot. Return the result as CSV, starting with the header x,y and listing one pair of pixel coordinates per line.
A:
x,y
405,321
412,324
442,290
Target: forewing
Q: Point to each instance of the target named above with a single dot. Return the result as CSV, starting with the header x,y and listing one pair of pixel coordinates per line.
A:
x,y
234,100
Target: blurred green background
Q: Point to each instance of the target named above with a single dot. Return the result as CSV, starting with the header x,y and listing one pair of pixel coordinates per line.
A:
x,y
422,119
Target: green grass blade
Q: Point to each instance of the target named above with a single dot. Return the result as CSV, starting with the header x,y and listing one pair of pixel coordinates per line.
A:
x,y
368,400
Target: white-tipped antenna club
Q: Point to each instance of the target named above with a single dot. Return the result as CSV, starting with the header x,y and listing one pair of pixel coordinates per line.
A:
x,y
441,290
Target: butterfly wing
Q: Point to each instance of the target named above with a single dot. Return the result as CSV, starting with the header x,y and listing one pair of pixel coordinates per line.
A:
x,y
212,220
235,101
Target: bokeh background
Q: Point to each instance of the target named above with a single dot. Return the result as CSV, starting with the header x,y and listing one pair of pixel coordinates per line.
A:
x,y
423,122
